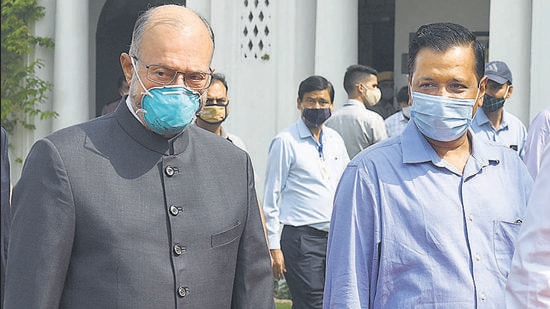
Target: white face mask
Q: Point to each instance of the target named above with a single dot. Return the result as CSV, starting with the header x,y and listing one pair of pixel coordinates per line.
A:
x,y
372,96
406,112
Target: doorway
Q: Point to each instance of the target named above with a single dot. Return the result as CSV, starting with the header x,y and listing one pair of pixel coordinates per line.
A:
x,y
376,23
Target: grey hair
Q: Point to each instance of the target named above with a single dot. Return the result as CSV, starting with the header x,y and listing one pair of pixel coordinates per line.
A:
x,y
143,21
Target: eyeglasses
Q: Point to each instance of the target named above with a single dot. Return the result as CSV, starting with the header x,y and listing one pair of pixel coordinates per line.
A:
x,y
165,76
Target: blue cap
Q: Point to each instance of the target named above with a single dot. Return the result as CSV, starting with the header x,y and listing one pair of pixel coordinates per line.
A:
x,y
498,71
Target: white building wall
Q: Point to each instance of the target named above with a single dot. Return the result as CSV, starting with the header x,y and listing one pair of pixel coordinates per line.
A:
x,y
22,139
510,41
306,37
540,64
66,21
71,75
95,7
336,44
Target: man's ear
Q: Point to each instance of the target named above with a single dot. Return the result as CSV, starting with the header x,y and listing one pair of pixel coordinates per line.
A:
x,y
510,90
227,108
127,67
482,87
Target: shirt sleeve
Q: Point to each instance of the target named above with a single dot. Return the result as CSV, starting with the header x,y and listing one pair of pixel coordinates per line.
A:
x,y
278,166
379,132
528,284
352,257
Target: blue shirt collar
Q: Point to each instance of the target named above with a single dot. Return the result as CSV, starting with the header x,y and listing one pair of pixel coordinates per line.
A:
x,y
481,119
417,149
303,130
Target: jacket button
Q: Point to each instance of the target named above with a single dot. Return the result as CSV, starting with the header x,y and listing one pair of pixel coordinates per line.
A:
x,y
174,210
169,171
183,291
178,249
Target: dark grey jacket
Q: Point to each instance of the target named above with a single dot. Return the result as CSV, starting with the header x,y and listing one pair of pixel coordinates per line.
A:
x,y
110,215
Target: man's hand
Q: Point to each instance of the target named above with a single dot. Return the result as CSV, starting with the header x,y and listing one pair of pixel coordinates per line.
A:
x,y
278,263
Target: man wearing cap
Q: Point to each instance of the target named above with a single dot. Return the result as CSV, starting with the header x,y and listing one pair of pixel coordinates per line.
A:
x,y
493,122
385,107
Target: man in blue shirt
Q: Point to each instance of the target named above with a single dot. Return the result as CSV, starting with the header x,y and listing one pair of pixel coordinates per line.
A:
x,y
492,122
429,219
304,166
396,123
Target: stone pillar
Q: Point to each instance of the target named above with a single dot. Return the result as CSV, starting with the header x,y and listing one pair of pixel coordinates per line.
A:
x,y
71,69
336,42
540,65
510,41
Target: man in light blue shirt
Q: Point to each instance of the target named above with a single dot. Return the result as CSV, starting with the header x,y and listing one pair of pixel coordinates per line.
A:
x,y
429,219
304,166
492,122
396,123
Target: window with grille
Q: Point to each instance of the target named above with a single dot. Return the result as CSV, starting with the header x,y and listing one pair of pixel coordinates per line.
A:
x,y
256,29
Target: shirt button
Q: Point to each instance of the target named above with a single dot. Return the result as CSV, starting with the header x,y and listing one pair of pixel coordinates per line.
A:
x,y
169,171
183,291
178,249
482,296
174,210
470,218
478,257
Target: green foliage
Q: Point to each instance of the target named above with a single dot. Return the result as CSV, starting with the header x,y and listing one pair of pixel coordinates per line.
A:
x,y
22,90
283,305
281,289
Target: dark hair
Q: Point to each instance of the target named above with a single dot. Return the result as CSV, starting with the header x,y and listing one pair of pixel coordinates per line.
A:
x,y
442,36
314,83
403,94
220,77
354,74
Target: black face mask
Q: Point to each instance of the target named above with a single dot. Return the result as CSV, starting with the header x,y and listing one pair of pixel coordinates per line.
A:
x,y
491,104
315,117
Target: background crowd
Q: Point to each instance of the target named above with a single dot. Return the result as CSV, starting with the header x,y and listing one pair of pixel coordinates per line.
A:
x,y
432,195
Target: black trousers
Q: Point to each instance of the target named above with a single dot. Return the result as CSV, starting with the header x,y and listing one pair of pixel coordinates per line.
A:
x,y
304,249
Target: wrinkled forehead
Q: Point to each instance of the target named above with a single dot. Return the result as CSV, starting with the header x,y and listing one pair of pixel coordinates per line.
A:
x,y
178,18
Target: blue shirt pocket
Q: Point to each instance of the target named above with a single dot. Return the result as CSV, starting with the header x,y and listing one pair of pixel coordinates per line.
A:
x,y
505,234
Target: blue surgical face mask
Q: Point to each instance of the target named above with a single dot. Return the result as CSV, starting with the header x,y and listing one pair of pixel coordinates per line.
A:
x,y
168,110
441,118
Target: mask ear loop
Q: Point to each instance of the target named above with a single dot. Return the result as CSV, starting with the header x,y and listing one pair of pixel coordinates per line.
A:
x,y
506,93
146,92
